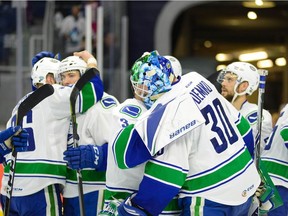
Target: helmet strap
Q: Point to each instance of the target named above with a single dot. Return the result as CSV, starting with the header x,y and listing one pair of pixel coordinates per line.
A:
x,y
236,94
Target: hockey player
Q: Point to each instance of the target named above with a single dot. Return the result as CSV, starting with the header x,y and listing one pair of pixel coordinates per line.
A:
x,y
122,183
13,135
275,159
94,127
239,80
194,142
41,173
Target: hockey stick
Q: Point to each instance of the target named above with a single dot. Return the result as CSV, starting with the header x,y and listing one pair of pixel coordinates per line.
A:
x,y
265,178
31,101
85,78
261,93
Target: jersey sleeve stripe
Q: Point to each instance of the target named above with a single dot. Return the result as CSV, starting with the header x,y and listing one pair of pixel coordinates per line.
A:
x,y
88,97
276,167
168,174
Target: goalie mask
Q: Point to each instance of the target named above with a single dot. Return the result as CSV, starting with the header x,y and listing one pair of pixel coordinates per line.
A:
x,y
42,68
244,72
151,76
72,63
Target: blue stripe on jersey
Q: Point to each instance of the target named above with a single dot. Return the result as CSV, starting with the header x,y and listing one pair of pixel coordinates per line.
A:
x,y
153,123
128,148
220,184
98,87
249,142
239,119
209,179
118,189
278,177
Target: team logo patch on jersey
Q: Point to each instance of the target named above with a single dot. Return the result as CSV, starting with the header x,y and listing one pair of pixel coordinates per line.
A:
x,y
252,118
108,102
131,110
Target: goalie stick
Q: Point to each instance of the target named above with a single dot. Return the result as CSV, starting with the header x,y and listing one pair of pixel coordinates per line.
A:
x,y
85,78
25,106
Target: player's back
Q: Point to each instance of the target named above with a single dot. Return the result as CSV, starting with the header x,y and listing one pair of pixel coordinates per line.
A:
x,y
212,131
47,124
218,156
274,155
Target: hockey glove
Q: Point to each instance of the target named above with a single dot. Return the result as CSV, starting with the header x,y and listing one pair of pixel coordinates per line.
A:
x,y
264,193
127,209
111,208
13,136
85,156
43,54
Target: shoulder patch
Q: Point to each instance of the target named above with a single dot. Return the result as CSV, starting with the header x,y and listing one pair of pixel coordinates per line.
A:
x,y
252,118
131,110
108,102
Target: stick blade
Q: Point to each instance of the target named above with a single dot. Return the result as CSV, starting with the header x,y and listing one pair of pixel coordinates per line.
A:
x,y
32,100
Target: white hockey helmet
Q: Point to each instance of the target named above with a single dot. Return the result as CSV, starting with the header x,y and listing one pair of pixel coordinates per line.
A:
x,y
43,67
72,63
176,66
244,72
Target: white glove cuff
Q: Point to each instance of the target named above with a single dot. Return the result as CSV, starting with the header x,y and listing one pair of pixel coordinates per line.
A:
x,y
92,61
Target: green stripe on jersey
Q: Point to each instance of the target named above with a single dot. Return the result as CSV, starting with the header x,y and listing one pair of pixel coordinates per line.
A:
x,y
52,201
120,145
38,168
243,126
88,97
87,175
198,207
284,134
165,173
218,175
275,168
172,208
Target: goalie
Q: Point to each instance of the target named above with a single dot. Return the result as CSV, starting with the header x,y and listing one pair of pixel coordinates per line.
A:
x,y
196,145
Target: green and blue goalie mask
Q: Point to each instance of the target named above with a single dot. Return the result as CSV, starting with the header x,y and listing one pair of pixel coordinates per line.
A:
x,y
152,75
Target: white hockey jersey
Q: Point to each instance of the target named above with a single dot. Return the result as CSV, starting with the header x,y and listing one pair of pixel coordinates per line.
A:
x,y
275,153
123,181
249,111
47,124
93,127
196,138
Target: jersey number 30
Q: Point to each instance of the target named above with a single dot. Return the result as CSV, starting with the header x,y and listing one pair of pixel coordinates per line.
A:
x,y
220,125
